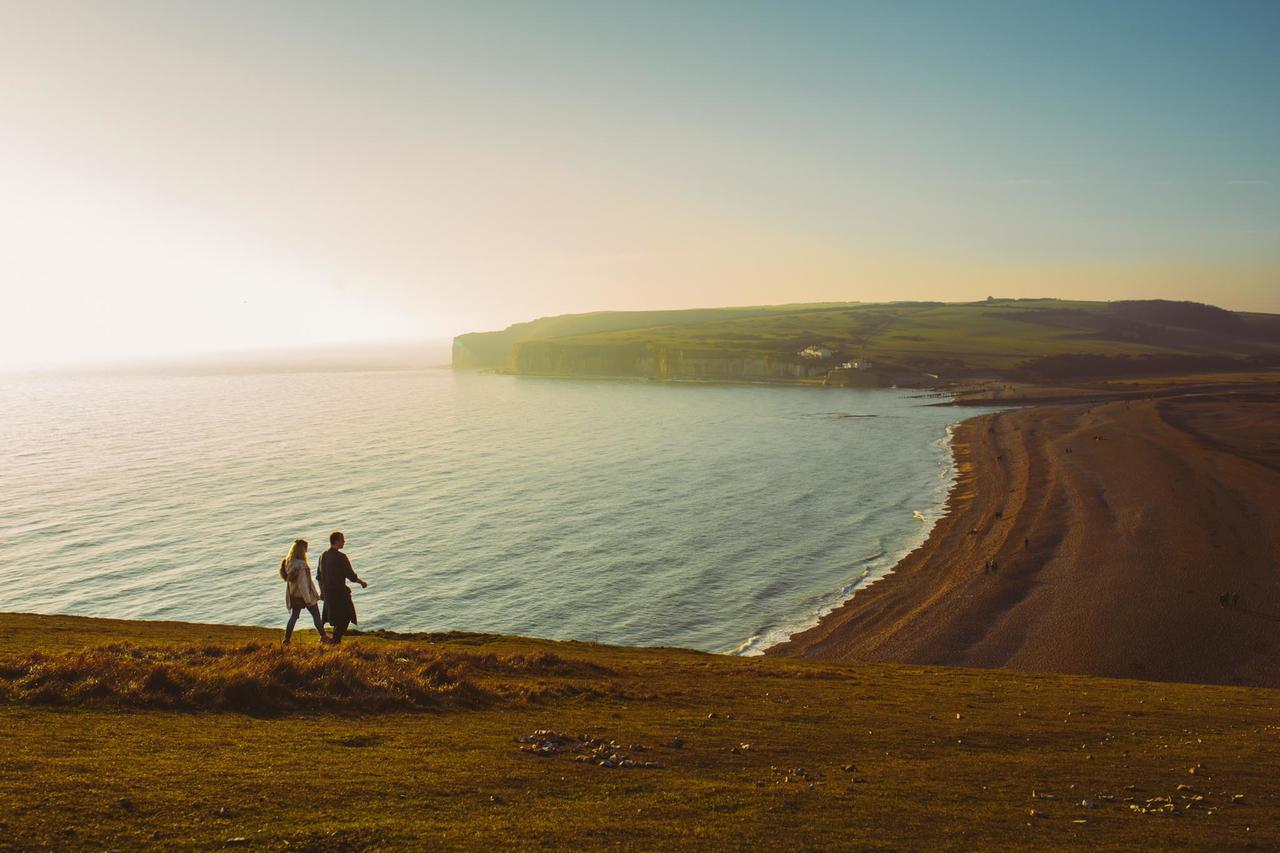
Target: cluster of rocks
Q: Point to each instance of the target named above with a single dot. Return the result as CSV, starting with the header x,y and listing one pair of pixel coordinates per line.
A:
x,y
1184,800
799,776
585,748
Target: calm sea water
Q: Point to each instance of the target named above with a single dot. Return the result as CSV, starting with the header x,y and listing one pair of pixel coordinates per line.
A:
x,y
712,517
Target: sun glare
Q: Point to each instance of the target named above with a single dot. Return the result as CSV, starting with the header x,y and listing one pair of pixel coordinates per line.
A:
x,y
95,273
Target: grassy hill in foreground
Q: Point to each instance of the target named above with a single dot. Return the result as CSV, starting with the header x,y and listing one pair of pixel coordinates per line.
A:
x,y
1033,339
206,736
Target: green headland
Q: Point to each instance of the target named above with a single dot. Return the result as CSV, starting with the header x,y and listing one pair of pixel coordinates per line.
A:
x,y
905,344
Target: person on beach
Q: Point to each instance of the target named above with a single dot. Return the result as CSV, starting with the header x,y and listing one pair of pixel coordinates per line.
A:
x,y
333,573
300,593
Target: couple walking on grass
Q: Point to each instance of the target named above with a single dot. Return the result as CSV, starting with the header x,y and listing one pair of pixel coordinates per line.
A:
x,y
300,593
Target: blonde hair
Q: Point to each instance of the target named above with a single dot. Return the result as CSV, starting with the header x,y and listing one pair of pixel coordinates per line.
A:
x,y
297,551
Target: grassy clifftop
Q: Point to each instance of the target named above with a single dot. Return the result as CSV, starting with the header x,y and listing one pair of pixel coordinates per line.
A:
x,y
1047,340
494,349
174,735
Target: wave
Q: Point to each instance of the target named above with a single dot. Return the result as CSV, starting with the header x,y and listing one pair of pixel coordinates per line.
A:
x,y
758,643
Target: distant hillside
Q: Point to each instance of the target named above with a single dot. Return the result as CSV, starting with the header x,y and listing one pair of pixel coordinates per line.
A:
x,y
494,349
895,343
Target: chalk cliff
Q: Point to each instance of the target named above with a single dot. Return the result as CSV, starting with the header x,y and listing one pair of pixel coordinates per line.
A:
x,y
553,358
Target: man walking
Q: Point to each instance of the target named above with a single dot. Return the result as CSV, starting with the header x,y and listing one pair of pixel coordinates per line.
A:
x,y
333,573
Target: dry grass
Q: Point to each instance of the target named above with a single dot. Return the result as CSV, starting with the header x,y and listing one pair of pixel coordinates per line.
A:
x,y
836,757
265,679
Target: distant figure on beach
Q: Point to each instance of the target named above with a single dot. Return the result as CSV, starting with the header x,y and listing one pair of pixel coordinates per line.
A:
x,y
333,573
300,593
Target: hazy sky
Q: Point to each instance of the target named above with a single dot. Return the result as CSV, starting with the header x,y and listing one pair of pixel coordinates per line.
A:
x,y
190,177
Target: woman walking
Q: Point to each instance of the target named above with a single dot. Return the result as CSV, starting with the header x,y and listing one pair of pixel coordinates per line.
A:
x,y
300,593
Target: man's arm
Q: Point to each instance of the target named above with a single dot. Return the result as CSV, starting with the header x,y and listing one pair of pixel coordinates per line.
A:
x,y
351,573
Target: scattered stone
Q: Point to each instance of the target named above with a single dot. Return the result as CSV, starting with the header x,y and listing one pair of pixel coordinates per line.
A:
x,y
1042,795
224,812
547,743
1035,813
676,742
238,841
1079,820
496,800
711,716
849,768
125,803
1089,804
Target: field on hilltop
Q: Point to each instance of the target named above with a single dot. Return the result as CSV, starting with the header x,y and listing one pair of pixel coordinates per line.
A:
x,y
1031,339
148,735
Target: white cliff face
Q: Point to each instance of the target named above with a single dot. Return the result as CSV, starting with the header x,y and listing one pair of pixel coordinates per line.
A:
x,y
641,360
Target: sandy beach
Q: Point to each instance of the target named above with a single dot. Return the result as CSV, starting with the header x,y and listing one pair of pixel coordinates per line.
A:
x,y
1115,527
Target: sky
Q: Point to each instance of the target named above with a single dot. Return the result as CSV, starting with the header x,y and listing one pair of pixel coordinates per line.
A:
x,y
194,177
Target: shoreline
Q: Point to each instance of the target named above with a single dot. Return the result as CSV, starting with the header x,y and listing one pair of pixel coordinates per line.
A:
x,y
1111,523
755,646
989,390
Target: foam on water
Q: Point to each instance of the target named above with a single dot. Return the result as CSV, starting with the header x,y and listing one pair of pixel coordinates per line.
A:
x,y
715,517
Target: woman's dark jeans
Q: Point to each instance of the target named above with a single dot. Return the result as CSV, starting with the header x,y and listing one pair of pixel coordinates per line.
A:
x,y
293,620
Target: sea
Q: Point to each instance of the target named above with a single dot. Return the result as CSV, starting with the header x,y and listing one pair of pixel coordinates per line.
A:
x,y
712,517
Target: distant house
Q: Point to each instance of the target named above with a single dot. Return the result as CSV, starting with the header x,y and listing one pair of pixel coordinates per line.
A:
x,y
857,365
815,352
